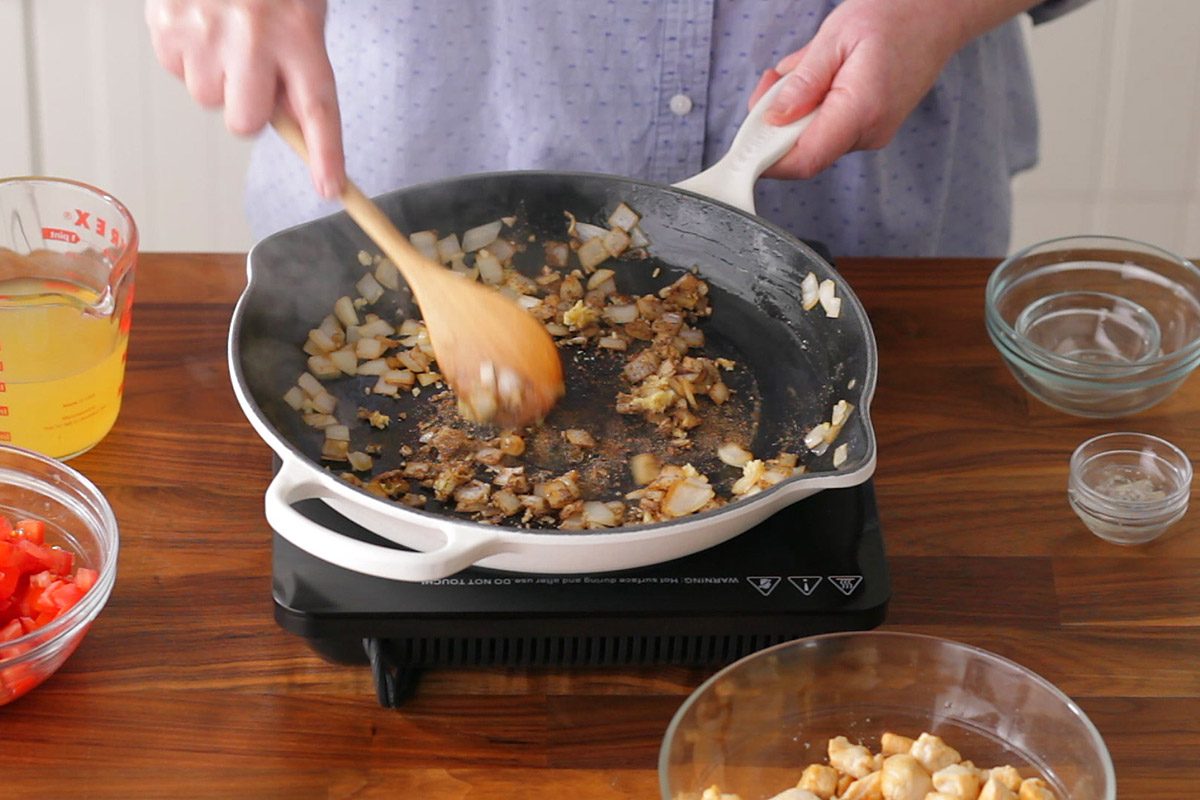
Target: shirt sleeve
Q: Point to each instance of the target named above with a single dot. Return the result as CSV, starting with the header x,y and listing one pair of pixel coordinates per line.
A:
x,y
1052,9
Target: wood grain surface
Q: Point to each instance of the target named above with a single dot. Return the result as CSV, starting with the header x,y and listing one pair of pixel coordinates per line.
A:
x,y
186,687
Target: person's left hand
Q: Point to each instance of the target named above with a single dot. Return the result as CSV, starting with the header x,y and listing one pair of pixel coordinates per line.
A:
x,y
867,67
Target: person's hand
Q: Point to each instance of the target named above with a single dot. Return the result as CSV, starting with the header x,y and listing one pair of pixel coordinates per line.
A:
x,y
866,68
253,56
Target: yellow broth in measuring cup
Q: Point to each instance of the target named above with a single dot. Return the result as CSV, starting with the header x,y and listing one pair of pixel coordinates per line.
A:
x,y
67,254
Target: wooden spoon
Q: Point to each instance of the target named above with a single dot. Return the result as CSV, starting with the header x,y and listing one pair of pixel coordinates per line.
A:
x,y
498,359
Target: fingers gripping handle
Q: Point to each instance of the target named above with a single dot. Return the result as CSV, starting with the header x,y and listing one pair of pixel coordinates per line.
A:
x,y
290,486
756,146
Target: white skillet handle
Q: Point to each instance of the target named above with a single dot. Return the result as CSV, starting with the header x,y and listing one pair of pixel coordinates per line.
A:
x,y
290,486
756,146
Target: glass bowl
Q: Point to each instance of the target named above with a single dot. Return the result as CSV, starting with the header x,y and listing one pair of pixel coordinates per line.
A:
x,y
1096,326
78,519
753,727
1128,488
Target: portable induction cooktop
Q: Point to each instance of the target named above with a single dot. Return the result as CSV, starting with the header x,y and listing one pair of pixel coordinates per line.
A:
x,y
815,567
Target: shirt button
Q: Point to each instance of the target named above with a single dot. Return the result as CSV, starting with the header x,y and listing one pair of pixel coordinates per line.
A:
x,y
680,104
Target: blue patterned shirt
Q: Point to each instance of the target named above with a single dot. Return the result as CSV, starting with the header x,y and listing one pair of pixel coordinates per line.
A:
x,y
654,89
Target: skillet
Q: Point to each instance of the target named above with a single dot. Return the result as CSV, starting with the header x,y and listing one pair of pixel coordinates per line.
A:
x,y
798,363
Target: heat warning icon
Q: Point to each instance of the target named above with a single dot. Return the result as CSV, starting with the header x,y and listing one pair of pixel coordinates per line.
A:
x,y
846,584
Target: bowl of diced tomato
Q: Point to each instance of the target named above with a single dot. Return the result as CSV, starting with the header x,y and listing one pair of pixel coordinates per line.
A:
x,y
58,562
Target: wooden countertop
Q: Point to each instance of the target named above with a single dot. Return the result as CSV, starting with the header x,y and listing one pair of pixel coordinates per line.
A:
x,y
186,687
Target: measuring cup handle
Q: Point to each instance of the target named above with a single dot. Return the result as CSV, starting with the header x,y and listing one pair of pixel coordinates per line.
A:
x,y
22,224
756,146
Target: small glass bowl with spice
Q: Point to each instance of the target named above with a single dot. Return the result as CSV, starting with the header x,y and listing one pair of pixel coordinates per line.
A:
x,y
1128,488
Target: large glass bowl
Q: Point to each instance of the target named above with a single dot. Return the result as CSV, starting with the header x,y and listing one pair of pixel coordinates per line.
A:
x,y
78,518
1096,326
753,727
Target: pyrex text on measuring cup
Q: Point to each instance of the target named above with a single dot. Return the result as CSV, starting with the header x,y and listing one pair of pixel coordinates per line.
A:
x,y
67,258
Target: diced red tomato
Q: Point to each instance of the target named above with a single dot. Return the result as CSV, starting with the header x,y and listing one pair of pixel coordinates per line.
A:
x,y
38,582
32,529
86,578
12,630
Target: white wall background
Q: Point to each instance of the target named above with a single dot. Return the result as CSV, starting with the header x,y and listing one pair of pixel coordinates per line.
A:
x,y
1119,87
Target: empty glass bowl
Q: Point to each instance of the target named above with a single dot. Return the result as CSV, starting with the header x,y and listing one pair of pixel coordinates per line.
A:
x,y
1128,488
753,727
1096,326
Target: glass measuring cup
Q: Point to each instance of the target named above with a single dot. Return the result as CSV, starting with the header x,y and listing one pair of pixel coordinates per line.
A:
x,y
67,257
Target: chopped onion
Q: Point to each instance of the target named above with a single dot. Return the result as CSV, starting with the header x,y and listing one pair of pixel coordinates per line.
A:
x,y
411,327
623,217
490,270
616,242
687,497
810,293
427,378
841,413
829,301
309,384
375,327
344,310
511,444
585,232
323,402
414,360
557,254
426,242
718,393
370,289
294,397
816,438
752,472
592,254
598,277
579,437
360,462
387,274
320,420
385,388
637,238
734,454
840,453
368,349
335,449
321,343
694,337
503,250
345,360
612,343
338,432
376,366
399,377
506,502
481,236
620,315
449,249
528,302
645,468
598,515
323,367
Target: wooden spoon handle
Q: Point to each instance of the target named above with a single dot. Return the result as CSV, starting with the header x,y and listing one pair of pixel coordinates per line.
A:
x,y
395,245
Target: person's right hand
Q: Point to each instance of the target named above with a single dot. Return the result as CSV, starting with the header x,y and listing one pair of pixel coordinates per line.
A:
x,y
252,56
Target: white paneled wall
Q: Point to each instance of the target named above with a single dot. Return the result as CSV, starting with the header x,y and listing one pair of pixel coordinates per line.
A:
x,y
100,109
1119,92
1118,81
